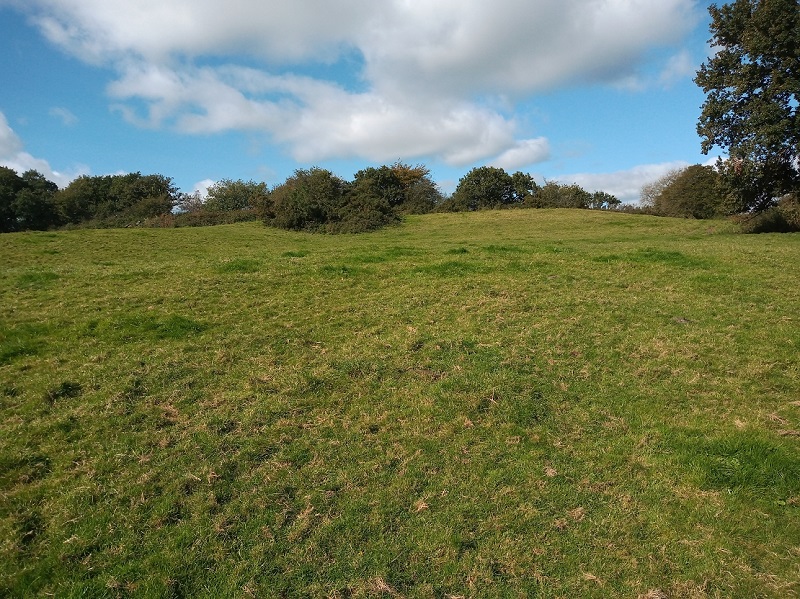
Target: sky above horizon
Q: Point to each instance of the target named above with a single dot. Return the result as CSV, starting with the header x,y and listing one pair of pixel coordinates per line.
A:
x,y
595,92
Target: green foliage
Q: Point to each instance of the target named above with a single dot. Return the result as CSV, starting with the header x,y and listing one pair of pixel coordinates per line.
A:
x,y
309,200
380,184
651,191
405,189
116,200
524,185
783,218
752,84
489,187
10,184
318,200
227,195
557,195
421,196
189,202
26,202
482,188
602,200
693,192
208,218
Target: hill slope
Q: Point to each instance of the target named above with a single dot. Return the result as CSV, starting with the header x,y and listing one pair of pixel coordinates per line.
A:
x,y
557,403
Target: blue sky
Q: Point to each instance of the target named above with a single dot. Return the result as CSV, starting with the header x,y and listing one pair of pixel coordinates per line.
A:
x,y
597,92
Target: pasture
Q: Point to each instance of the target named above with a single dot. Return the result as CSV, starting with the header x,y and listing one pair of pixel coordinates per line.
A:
x,y
532,403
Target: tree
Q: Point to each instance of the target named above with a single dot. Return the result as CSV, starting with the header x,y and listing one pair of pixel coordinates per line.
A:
x,y
27,201
753,89
693,193
485,187
381,184
189,202
524,185
310,199
556,195
113,199
10,184
421,197
650,192
85,198
405,189
227,195
602,200
34,205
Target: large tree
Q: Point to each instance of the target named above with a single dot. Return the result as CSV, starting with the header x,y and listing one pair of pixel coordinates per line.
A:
x,y
485,187
692,192
26,202
753,87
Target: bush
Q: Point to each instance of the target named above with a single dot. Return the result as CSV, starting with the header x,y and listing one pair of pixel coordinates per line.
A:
x,y
483,188
309,200
556,195
783,218
208,218
317,200
228,195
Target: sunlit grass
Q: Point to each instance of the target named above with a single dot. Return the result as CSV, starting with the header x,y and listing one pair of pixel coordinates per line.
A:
x,y
519,403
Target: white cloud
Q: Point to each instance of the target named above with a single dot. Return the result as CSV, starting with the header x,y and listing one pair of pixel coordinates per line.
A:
x,y
12,155
524,153
316,120
420,66
201,187
65,115
680,66
625,185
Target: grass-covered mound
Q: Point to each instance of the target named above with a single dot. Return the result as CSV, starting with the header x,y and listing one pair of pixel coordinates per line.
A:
x,y
516,403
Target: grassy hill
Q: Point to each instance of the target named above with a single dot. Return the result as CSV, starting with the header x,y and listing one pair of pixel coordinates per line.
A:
x,y
497,404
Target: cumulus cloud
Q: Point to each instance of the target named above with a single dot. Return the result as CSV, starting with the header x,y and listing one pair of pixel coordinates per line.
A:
x,y
625,185
523,153
201,187
420,66
14,156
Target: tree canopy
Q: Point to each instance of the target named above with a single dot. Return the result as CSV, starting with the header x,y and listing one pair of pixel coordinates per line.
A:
x,y
227,195
116,199
27,202
753,88
485,187
691,192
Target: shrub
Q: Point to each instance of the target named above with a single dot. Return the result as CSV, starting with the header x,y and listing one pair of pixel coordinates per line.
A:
x,y
308,200
557,195
782,218
227,195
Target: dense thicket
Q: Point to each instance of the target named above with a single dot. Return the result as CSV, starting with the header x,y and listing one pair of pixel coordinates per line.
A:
x,y
116,200
317,200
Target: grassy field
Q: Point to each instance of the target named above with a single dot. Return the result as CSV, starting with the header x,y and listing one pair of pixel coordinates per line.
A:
x,y
502,404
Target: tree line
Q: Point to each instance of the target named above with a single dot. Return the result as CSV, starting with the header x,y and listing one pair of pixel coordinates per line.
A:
x,y
313,199
317,200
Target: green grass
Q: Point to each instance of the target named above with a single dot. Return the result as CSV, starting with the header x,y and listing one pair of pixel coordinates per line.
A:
x,y
534,403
